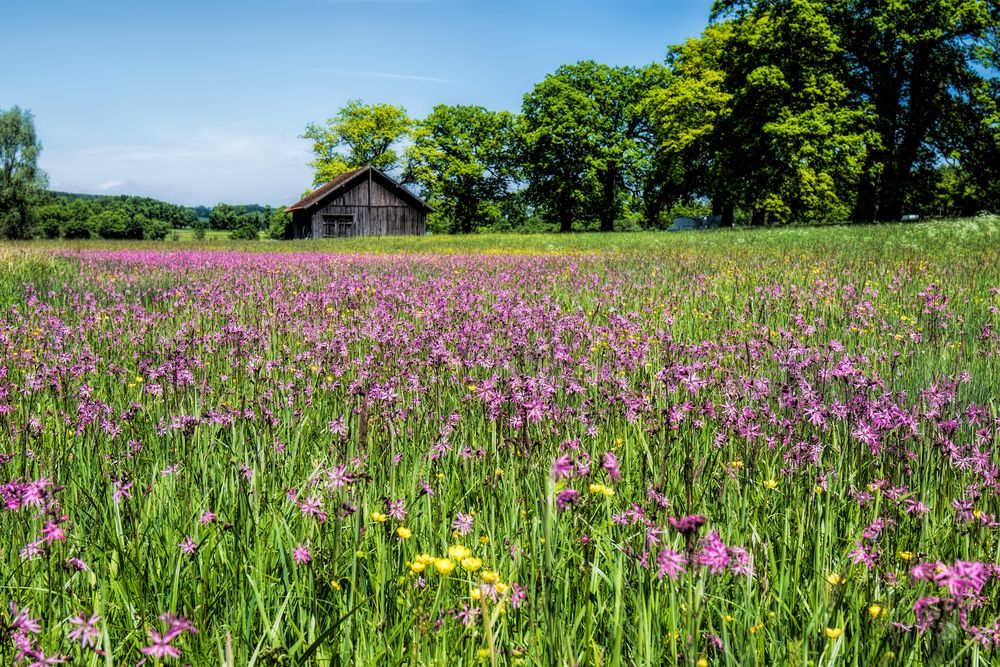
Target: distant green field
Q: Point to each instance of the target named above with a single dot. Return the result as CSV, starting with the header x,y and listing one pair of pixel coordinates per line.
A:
x,y
899,237
187,234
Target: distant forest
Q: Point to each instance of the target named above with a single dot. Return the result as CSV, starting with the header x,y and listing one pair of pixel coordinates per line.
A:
x,y
77,216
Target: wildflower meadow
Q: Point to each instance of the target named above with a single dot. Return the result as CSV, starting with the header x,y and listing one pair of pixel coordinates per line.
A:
x,y
721,448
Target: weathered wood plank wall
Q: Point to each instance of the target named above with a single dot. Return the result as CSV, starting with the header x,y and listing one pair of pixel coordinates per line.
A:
x,y
383,214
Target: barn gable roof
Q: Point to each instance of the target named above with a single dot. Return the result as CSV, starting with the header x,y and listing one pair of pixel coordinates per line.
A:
x,y
348,180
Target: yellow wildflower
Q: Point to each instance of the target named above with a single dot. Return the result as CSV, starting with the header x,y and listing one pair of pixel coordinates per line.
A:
x,y
444,565
459,552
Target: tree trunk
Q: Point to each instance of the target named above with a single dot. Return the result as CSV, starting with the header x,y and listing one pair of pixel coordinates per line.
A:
x,y
566,220
725,209
609,182
864,205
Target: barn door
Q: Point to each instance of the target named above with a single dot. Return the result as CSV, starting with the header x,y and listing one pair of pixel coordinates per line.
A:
x,y
336,226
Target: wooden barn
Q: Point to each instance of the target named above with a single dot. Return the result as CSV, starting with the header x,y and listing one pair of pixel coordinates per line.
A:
x,y
363,202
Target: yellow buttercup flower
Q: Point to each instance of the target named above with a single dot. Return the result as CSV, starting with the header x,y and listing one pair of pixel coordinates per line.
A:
x,y
475,593
444,565
417,567
907,555
426,559
702,662
459,552
378,517
404,533
490,577
876,611
771,484
835,579
471,564
833,633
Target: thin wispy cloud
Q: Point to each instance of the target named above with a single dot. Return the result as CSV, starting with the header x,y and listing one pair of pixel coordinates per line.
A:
x,y
193,166
388,75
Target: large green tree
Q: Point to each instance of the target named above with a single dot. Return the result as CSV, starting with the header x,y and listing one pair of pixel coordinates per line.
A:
x,y
688,114
461,157
21,180
223,216
906,66
580,141
359,135
759,118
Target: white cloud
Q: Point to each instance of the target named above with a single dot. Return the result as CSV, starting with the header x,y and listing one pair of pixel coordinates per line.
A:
x,y
202,165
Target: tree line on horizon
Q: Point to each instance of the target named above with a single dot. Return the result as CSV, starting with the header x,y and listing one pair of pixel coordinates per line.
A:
x,y
781,111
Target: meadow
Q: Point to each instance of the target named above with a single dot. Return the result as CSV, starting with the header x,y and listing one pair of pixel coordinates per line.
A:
x,y
717,448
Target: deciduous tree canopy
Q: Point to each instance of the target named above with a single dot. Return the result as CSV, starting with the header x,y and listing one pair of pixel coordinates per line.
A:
x,y
21,180
461,157
360,134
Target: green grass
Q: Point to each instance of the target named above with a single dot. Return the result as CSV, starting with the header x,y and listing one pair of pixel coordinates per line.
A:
x,y
186,234
908,237
179,366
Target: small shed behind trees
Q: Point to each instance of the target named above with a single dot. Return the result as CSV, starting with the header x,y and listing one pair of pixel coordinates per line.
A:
x,y
363,202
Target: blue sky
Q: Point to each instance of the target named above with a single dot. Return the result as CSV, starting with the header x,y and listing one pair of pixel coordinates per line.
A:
x,y
202,101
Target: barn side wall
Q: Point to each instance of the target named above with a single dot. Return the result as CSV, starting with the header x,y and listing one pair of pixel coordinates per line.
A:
x,y
383,214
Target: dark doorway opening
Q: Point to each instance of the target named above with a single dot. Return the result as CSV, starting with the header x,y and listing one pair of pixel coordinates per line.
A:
x,y
337,226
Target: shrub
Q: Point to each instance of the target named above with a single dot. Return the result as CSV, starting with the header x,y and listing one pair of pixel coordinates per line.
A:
x,y
77,228
245,232
155,230
199,226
